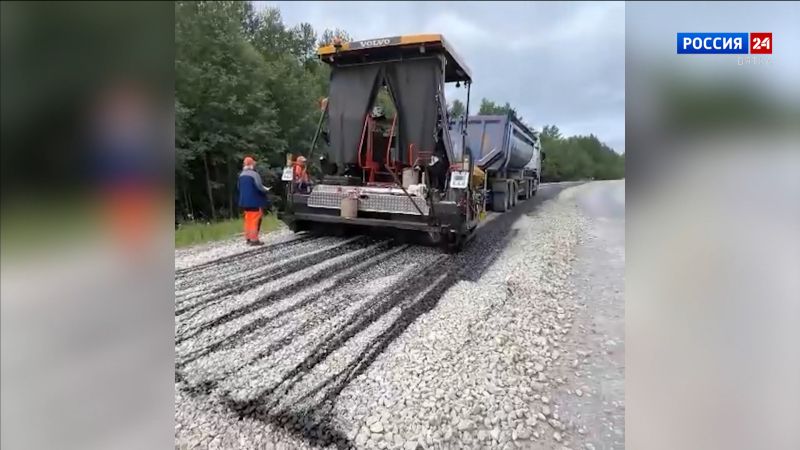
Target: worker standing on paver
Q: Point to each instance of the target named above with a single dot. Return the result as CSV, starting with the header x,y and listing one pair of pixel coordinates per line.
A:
x,y
301,174
252,199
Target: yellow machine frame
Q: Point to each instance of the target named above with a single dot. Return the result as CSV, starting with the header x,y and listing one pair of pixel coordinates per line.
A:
x,y
456,70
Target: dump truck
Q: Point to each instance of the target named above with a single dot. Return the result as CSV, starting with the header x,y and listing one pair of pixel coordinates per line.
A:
x,y
507,152
404,170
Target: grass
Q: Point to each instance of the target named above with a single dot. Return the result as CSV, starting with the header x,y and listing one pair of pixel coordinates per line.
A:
x,y
198,233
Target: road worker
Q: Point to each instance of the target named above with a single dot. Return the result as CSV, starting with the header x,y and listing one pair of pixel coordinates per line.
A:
x,y
126,161
252,199
382,122
300,174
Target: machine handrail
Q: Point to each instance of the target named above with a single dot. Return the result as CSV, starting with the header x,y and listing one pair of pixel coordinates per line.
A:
x,y
361,142
387,160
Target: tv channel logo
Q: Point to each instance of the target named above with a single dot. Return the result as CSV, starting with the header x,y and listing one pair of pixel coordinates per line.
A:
x,y
725,43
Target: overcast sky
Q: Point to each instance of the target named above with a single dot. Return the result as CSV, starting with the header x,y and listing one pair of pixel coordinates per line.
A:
x,y
556,63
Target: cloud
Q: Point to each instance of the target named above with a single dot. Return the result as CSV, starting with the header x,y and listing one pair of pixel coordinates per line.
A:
x,y
459,29
589,22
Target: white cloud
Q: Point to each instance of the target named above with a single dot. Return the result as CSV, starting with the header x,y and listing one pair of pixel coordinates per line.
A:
x,y
459,29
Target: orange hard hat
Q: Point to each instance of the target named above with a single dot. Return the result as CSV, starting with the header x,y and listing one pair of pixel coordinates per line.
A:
x,y
249,161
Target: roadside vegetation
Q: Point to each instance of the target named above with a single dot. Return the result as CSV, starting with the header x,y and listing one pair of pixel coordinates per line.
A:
x,y
579,157
192,233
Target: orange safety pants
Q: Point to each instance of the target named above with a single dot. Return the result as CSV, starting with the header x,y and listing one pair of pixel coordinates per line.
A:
x,y
252,223
132,214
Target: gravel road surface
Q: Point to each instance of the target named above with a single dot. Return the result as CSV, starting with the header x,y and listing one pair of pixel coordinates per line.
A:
x,y
330,342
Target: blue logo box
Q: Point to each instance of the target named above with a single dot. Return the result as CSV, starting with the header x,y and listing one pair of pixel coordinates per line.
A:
x,y
713,43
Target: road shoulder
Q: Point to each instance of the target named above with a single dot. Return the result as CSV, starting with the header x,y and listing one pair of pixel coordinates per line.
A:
x,y
592,395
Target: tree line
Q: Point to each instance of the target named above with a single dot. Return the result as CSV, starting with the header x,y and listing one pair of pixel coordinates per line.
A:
x,y
567,158
578,157
248,84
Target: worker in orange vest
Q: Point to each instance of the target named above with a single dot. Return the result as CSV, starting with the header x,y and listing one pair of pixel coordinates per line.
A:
x,y
252,200
300,174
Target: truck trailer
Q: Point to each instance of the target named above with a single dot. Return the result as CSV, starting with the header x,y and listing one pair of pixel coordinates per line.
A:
x,y
509,154
406,172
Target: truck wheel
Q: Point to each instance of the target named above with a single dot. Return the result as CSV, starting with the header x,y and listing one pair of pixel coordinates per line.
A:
x,y
499,202
454,244
434,238
298,226
513,190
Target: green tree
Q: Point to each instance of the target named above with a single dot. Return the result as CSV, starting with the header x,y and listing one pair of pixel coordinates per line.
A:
x,y
457,109
489,107
578,157
384,99
328,35
550,133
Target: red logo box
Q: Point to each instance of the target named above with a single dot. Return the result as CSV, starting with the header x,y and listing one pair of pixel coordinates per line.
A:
x,y
761,43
